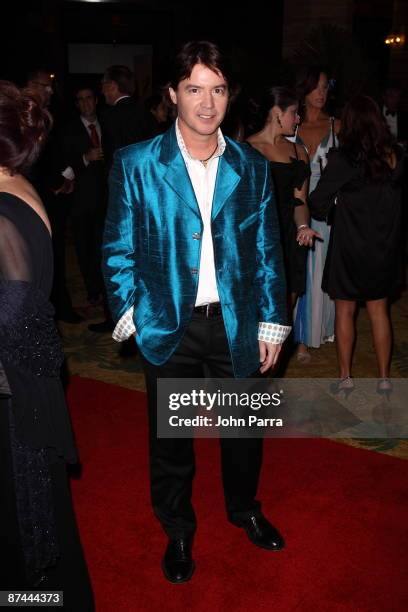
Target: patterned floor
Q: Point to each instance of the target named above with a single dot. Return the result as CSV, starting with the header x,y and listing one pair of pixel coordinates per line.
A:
x,y
96,355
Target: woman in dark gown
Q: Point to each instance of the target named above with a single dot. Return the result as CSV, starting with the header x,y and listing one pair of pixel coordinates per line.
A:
x,y
290,172
361,190
288,178
41,549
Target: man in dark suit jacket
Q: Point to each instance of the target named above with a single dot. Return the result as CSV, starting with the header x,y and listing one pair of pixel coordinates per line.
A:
x,y
82,147
122,125
122,119
396,119
48,175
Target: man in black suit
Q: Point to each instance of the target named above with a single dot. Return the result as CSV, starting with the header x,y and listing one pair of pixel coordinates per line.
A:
x,y
123,125
49,177
396,119
122,119
82,147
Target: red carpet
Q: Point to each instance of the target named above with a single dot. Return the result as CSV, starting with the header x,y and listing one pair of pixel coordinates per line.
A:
x,y
343,512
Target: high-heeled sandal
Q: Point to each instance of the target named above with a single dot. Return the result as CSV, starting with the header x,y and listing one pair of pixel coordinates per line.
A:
x,y
384,387
303,357
344,384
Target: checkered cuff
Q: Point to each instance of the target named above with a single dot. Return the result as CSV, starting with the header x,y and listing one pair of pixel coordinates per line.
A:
x,y
68,173
273,332
124,327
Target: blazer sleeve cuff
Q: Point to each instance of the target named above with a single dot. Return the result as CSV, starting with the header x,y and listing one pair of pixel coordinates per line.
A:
x,y
124,327
273,332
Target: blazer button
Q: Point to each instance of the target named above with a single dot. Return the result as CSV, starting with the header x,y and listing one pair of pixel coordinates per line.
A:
x,y
194,270
196,236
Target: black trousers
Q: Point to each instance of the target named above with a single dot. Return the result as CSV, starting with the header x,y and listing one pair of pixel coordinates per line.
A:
x,y
58,209
172,461
87,229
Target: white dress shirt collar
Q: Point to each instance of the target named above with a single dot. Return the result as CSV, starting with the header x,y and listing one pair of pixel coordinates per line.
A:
x,y
121,98
87,122
392,122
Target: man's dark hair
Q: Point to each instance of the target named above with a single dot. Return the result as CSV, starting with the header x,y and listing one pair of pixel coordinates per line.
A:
x,y
392,85
200,52
82,88
34,74
122,76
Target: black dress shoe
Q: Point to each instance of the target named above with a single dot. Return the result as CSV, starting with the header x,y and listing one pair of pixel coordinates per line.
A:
x,y
178,565
261,532
104,327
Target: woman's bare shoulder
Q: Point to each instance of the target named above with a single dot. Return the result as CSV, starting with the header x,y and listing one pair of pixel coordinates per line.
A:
x,y
302,153
259,143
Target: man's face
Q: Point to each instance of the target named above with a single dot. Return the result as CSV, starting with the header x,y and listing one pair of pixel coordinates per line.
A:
x,y
392,99
201,101
42,85
110,91
86,102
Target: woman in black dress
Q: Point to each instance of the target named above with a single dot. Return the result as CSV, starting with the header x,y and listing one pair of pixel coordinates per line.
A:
x,y
290,171
40,544
363,179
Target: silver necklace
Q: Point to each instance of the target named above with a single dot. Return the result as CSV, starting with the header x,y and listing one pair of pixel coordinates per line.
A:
x,y
204,161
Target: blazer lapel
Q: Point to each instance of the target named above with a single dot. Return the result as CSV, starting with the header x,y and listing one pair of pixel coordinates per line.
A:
x,y
227,180
176,175
85,135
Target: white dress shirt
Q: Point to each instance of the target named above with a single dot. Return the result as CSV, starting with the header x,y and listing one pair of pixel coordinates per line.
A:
x,y
121,98
392,122
203,180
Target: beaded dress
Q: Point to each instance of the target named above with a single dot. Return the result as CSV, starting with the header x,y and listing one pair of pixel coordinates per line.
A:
x,y
36,428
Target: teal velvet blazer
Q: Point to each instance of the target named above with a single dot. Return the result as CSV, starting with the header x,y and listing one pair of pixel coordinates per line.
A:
x,y
151,252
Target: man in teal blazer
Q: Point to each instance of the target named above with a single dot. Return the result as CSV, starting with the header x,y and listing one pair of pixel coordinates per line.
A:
x,y
193,268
